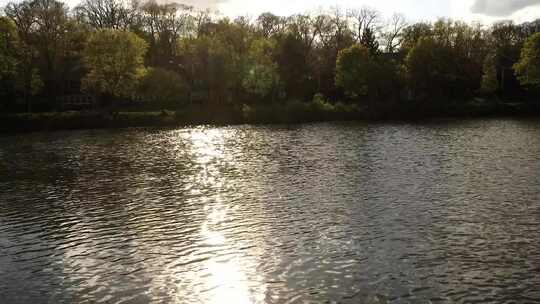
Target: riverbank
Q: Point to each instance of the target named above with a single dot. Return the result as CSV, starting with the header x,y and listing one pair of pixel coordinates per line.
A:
x,y
292,112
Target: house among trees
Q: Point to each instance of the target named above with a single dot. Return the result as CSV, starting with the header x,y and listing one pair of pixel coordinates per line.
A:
x,y
77,102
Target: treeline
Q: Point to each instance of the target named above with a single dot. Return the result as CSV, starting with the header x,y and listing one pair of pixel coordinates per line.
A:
x,y
171,55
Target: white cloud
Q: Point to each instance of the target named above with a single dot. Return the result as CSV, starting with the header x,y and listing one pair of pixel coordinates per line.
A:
x,y
203,4
414,9
501,8
486,11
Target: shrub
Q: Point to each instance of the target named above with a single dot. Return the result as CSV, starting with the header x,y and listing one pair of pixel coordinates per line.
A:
x,y
166,88
319,109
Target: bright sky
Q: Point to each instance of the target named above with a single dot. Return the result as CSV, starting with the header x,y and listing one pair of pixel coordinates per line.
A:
x,y
469,10
485,11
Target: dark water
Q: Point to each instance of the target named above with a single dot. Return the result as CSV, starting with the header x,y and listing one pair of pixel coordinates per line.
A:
x,y
443,212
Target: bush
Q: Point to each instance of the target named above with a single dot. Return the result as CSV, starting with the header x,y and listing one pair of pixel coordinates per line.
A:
x,y
165,88
319,109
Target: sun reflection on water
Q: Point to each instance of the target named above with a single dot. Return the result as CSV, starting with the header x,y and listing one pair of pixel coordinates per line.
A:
x,y
207,145
227,276
225,279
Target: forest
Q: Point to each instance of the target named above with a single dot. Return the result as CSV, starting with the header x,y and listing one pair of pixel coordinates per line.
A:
x,y
148,56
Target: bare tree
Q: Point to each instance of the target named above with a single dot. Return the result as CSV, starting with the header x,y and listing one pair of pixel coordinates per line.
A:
x,y
170,19
245,22
303,27
322,27
102,14
391,35
270,24
339,21
365,18
201,20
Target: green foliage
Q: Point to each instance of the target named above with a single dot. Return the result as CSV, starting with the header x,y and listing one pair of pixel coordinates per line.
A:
x,y
9,59
413,33
29,82
114,60
36,84
446,62
223,69
215,61
43,28
362,73
354,71
9,41
528,66
106,47
297,111
163,87
262,73
369,40
320,103
293,67
430,68
490,84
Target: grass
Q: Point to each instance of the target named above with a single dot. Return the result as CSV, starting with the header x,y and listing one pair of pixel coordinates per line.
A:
x,y
280,112
74,120
297,111
290,112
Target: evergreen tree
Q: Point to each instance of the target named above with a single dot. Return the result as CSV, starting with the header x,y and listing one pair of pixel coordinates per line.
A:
x,y
369,41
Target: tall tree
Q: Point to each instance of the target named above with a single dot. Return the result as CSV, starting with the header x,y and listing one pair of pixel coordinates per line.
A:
x,y
506,43
163,25
107,14
269,24
114,60
489,84
413,33
393,33
9,42
528,66
364,19
293,67
164,88
430,69
355,68
262,78
44,29
370,42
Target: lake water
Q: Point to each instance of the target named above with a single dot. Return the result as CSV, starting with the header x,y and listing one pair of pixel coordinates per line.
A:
x,y
440,212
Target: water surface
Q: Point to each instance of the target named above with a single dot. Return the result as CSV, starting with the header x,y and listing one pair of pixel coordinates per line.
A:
x,y
441,212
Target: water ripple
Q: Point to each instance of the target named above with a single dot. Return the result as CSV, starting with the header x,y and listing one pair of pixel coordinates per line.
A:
x,y
374,213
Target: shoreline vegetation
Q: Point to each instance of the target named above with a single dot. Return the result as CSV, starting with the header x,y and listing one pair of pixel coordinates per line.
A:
x,y
113,63
268,114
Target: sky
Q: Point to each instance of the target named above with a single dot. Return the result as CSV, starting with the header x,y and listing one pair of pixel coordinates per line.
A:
x,y
486,11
